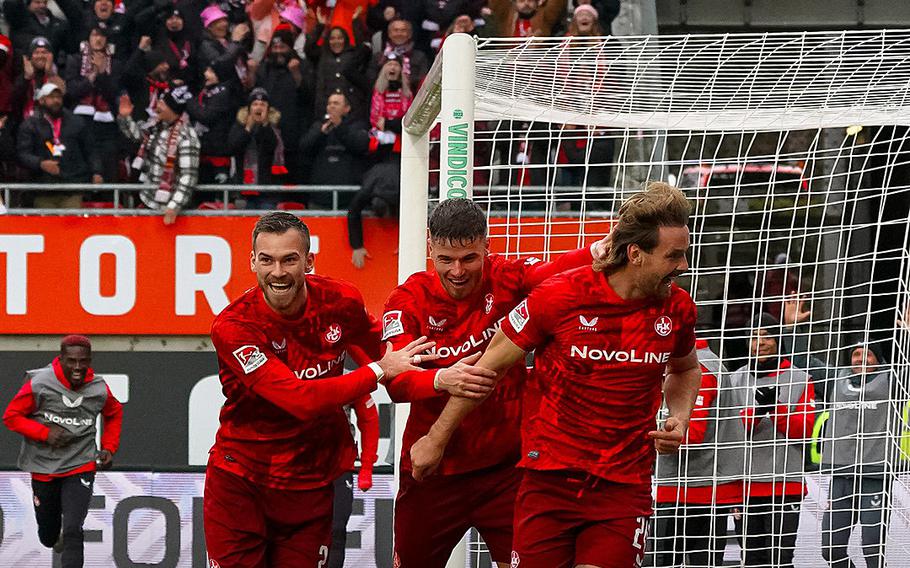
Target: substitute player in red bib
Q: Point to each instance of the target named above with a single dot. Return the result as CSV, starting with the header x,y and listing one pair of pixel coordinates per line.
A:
x,y
284,437
459,304
607,338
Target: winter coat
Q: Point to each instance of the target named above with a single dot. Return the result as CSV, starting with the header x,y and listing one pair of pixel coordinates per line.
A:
x,y
294,103
24,27
338,157
79,160
345,72
212,114
262,138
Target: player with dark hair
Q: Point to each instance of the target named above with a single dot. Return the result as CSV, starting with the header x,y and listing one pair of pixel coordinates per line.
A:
x,y
459,304
284,437
605,336
56,411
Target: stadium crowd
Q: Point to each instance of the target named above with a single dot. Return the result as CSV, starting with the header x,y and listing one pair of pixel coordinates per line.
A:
x,y
266,92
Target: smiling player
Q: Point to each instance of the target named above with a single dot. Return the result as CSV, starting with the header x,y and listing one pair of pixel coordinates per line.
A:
x,y
458,304
605,338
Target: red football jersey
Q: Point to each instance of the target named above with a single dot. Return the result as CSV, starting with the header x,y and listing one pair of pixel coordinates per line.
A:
x,y
421,306
599,362
283,424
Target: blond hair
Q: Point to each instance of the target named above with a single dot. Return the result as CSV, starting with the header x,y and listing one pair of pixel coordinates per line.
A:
x,y
640,219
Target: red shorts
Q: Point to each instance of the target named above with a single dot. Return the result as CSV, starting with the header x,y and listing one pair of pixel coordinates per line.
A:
x,y
431,517
565,518
253,526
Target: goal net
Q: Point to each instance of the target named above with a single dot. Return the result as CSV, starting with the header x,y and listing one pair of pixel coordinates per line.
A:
x,y
791,149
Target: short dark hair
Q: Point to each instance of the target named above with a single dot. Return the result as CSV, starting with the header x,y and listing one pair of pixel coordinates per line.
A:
x,y
280,222
75,341
640,219
458,221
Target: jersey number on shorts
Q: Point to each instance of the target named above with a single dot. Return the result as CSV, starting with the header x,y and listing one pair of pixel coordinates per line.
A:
x,y
324,554
638,541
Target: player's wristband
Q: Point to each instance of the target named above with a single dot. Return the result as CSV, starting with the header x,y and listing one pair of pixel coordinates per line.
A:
x,y
436,380
377,369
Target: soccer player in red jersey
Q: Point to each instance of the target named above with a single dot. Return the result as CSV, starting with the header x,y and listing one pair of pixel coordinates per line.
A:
x,y
284,437
459,304
608,337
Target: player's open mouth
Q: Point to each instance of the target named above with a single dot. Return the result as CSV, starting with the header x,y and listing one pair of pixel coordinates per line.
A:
x,y
458,283
279,288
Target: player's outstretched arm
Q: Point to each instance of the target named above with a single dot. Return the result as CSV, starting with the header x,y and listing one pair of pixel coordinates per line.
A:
x,y
427,452
680,390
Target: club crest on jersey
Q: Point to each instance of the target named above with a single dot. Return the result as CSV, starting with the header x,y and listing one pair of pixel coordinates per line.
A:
x,y
333,334
588,324
435,324
71,403
519,315
214,563
250,358
488,303
515,560
391,324
663,326
280,346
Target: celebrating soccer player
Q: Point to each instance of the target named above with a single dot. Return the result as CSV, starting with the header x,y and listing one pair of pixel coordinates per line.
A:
x,y
56,411
284,437
459,305
607,338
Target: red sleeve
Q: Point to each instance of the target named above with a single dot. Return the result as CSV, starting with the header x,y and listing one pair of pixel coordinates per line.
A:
x,y
527,325
685,338
367,330
113,420
797,422
244,351
748,417
698,423
536,271
368,424
16,415
400,327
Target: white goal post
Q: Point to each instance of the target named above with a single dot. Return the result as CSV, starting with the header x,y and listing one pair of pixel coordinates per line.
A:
x,y
792,147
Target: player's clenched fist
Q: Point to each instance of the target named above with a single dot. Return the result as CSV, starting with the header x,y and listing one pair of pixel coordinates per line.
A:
x,y
425,457
668,439
465,380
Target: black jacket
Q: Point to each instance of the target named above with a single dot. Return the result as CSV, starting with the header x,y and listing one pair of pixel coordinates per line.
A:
x,y
337,158
262,138
346,72
294,103
24,27
79,160
212,114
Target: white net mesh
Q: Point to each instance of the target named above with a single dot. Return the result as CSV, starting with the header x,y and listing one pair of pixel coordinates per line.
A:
x,y
798,213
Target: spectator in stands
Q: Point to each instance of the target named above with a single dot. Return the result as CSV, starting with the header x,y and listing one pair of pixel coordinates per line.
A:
x,y
585,22
414,62
215,46
258,147
337,146
378,17
37,68
212,114
31,19
340,65
7,150
6,75
168,152
146,78
697,487
856,452
578,146
433,18
607,10
117,26
55,146
294,16
380,193
288,81
524,18
463,24
778,416
92,79
178,46
392,96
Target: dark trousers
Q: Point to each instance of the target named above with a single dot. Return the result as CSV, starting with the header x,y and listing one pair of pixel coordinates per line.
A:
x,y
343,507
63,503
767,530
851,499
689,535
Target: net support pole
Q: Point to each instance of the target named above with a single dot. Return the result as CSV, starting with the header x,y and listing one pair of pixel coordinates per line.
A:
x,y
456,116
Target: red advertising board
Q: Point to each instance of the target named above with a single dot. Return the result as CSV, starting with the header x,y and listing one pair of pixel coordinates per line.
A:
x,y
136,276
